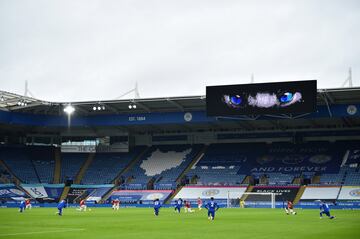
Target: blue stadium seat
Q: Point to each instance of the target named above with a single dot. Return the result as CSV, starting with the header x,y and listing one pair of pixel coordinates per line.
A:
x,y
106,166
163,163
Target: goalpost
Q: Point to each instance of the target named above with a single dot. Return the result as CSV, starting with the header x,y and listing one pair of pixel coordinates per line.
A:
x,y
260,199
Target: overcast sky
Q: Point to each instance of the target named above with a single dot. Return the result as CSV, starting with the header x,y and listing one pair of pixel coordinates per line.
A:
x,y
70,50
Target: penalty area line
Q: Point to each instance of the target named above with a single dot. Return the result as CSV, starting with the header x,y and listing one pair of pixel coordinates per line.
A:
x,y
30,233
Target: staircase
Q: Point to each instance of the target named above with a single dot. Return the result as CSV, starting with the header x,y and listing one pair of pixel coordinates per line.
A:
x,y
299,194
131,164
297,180
168,200
57,169
248,190
83,168
248,180
64,192
196,159
108,194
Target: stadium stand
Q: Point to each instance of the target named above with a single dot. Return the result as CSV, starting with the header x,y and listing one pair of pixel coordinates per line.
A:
x,y
5,176
314,156
44,163
216,175
329,178
352,178
19,160
275,164
162,164
106,166
353,157
71,164
280,178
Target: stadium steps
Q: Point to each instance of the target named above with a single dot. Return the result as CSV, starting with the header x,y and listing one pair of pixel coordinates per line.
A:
x,y
315,179
17,180
248,190
108,194
130,165
57,168
297,180
247,180
196,159
299,194
83,168
64,193
172,195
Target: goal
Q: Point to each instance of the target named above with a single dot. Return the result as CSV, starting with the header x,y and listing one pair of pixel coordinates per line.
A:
x,y
259,200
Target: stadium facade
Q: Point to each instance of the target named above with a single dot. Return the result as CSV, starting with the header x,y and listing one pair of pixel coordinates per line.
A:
x,y
167,148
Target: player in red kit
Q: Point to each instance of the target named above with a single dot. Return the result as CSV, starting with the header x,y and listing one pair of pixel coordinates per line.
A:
x,y
187,207
290,208
116,204
199,203
82,206
28,204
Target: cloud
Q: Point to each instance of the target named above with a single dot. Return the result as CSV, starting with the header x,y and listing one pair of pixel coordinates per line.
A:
x,y
93,50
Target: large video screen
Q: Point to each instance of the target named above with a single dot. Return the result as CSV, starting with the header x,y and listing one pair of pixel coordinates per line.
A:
x,y
259,99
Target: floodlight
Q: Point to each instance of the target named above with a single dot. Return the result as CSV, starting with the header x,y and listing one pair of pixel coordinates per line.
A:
x,y
69,109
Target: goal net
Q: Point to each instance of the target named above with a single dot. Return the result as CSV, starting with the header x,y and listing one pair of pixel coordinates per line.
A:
x,y
249,199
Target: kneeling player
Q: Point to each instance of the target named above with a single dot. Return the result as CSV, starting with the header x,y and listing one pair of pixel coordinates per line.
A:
x,y
178,205
325,209
212,207
83,206
187,207
22,206
290,208
28,204
60,207
116,204
157,206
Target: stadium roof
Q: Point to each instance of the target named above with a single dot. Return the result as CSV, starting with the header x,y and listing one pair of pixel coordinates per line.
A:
x,y
19,103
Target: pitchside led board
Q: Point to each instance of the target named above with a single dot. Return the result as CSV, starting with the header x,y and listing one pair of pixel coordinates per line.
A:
x,y
258,99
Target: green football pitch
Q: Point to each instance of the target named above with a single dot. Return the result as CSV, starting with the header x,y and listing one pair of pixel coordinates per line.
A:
x,y
140,223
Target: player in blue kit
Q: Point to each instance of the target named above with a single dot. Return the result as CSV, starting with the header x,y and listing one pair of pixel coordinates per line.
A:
x,y
60,207
22,206
212,207
178,205
157,206
325,209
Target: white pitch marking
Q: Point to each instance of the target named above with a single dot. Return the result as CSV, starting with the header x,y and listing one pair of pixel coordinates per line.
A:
x,y
30,233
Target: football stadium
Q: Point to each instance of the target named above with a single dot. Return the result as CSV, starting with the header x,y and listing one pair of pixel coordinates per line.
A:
x,y
155,167
247,125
